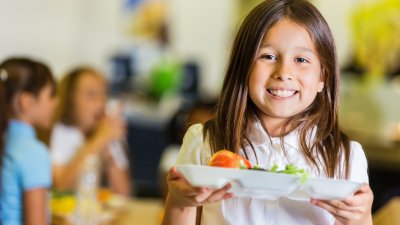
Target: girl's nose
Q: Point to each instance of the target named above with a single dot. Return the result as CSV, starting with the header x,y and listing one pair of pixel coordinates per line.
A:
x,y
283,72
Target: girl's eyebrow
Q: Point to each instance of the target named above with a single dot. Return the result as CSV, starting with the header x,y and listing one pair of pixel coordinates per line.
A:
x,y
268,46
299,48
304,49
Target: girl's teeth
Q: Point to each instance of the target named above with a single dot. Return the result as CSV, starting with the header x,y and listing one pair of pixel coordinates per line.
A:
x,y
283,94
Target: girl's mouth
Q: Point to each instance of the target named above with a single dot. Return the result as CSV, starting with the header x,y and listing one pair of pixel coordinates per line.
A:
x,y
282,93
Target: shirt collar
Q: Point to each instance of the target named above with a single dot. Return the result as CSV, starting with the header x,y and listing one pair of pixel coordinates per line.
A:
x,y
258,136
19,128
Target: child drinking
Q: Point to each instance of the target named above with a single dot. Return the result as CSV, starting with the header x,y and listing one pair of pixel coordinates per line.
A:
x,y
27,96
278,106
82,128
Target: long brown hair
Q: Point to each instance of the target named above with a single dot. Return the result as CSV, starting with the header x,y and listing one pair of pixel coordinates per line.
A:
x,y
65,92
235,110
19,75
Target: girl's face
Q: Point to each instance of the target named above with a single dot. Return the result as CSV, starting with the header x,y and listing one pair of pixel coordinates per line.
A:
x,y
286,74
44,107
89,101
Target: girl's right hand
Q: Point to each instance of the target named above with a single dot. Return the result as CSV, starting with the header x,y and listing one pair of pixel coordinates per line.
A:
x,y
110,129
182,194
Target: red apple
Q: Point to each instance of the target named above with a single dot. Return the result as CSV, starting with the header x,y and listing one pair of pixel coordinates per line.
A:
x,y
228,159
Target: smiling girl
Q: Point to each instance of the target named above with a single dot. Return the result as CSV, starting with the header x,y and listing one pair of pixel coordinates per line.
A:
x,y
278,106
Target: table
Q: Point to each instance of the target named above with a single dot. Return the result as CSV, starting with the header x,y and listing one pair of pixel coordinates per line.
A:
x,y
388,214
146,211
139,211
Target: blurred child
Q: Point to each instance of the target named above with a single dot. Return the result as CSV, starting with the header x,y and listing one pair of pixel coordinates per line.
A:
x,y
199,113
82,128
27,98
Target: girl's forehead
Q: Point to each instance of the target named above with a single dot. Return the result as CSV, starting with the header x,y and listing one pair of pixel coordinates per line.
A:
x,y
287,34
90,79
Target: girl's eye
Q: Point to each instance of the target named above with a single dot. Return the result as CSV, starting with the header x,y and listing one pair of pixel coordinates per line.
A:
x,y
301,60
271,57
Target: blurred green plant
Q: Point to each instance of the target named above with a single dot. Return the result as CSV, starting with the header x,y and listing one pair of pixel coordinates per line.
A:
x,y
166,76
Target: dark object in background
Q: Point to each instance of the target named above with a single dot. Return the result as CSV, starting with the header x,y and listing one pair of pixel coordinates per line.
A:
x,y
385,185
146,145
190,80
175,129
197,112
353,68
121,74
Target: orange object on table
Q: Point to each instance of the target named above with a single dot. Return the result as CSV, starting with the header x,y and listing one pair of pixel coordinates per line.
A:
x,y
104,194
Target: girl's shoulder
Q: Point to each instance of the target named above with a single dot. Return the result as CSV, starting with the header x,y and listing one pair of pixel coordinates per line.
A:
x,y
357,150
65,137
60,129
194,150
194,132
26,148
29,150
358,163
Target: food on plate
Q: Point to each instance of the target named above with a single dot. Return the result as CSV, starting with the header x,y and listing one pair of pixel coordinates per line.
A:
x,y
227,159
290,169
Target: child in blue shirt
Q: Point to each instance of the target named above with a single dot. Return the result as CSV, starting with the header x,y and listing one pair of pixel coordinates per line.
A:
x,y
27,99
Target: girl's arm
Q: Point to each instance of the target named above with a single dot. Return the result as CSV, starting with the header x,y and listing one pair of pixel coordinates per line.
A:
x,y
184,199
65,176
119,180
354,209
178,215
34,205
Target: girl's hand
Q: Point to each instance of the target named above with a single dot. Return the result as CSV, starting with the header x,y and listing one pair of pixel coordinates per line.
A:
x,y
183,195
110,129
354,209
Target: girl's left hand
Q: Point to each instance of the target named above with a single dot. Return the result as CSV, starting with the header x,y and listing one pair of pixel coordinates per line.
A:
x,y
354,210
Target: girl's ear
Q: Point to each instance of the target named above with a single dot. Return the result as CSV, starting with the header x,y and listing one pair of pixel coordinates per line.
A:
x,y
321,82
25,102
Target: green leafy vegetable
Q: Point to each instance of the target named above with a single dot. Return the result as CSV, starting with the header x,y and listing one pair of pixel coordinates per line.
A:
x,y
257,167
292,169
274,168
242,165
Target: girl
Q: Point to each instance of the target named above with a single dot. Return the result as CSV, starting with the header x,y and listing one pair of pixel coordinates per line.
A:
x,y
83,129
27,95
278,106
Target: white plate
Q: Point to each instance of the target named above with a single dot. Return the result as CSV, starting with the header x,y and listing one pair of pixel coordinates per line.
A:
x,y
267,185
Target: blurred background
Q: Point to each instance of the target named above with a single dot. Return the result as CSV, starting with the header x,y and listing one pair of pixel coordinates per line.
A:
x,y
165,60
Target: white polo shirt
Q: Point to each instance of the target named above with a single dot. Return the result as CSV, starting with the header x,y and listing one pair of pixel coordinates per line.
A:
x,y
243,211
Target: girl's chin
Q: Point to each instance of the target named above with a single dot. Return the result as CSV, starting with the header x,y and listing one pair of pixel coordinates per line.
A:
x,y
90,124
279,114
